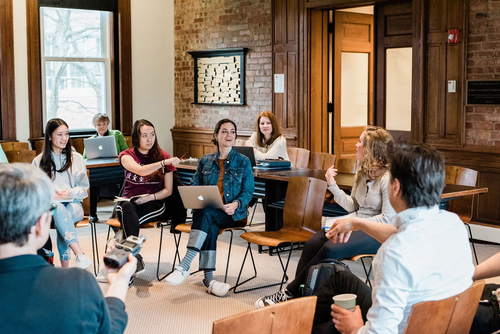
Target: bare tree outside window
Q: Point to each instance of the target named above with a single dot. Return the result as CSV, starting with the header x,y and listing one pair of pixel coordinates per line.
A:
x,y
76,65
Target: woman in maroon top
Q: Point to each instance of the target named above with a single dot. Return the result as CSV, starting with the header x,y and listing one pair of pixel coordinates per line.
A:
x,y
149,182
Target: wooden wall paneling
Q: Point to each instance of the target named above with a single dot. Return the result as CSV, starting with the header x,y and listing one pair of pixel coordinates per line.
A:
x,y
292,19
487,209
7,77
291,92
419,39
318,80
279,99
433,102
125,66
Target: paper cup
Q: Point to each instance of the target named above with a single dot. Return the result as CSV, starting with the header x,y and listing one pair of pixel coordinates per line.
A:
x,y
346,300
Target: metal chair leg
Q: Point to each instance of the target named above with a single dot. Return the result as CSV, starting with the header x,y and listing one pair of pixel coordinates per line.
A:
x,y
367,273
95,250
472,242
176,255
284,278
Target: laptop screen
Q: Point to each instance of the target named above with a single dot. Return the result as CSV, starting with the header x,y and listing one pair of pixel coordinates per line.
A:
x,y
100,147
246,151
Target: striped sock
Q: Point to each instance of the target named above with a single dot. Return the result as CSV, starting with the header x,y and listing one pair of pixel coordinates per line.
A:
x,y
188,258
209,276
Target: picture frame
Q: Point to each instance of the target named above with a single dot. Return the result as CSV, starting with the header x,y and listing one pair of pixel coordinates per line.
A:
x,y
219,76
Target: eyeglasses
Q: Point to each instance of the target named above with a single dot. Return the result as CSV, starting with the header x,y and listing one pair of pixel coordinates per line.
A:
x,y
52,208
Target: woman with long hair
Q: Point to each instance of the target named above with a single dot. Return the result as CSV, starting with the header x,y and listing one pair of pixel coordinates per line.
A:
x,y
369,200
66,168
232,173
149,184
267,140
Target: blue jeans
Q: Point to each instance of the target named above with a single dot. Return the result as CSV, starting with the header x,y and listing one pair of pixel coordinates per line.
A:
x,y
65,217
204,233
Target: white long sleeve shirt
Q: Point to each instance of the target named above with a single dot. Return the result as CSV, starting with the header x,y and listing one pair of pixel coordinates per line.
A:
x,y
368,199
74,179
274,151
429,258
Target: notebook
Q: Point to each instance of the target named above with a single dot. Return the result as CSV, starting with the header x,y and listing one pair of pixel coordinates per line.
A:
x,y
199,197
100,147
246,151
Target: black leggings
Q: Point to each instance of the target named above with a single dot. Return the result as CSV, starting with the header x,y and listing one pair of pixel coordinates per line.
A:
x,y
319,248
340,282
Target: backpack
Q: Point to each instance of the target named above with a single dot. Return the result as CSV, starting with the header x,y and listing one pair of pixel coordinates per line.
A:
x,y
319,273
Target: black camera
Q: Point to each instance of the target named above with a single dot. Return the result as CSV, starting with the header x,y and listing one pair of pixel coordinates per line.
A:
x,y
118,256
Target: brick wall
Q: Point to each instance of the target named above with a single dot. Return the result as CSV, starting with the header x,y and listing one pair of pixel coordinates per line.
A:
x,y
202,25
483,62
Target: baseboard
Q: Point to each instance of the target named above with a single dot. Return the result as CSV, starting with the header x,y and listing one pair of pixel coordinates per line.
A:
x,y
485,233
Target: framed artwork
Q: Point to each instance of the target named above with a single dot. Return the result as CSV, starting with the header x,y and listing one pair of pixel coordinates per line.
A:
x,y
219,76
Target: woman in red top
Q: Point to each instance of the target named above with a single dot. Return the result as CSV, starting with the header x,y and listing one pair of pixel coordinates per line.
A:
x,y
149,182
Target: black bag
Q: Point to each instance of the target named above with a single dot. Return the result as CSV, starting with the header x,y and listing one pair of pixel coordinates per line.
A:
x,y
319,273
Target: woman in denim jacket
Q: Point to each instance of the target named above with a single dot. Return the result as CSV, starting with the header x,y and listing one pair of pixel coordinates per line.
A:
x,y
232,173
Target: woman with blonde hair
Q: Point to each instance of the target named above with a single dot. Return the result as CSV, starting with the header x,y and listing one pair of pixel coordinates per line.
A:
x,y
267,140
369,200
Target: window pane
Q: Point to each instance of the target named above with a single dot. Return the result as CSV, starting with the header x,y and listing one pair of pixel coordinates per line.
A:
x,y
72,32
398,91
354,89
75,91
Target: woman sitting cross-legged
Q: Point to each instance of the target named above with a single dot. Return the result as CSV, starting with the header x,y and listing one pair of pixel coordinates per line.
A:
x,y
149,182
232,173
368,200
68,173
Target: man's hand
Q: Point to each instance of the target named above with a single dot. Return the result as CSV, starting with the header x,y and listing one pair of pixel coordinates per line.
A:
x,y
125,272
341,230
346,321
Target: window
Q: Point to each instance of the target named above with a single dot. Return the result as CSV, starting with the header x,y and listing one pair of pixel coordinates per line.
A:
x,y
76,65
79,63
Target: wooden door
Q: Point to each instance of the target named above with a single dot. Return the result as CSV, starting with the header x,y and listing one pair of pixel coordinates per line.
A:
x,y
352,80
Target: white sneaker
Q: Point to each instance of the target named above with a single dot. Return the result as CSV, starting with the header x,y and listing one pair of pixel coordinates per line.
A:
x,y
218,288
178,276
102,277
82,261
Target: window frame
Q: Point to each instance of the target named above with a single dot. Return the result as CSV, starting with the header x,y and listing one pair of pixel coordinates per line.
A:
x,y
7,73
121,63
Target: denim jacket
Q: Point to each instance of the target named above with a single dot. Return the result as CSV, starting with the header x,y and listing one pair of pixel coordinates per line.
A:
x,y
238,183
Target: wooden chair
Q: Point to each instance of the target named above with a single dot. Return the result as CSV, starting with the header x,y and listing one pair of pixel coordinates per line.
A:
x,y
128,140
299,157
292,317
462,206
77,143
347,165
186,228
452,315
20,156
301,219
322,160
14,145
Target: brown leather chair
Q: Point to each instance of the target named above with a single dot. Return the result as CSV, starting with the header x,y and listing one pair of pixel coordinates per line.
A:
x,y
292,317
299,157
453,315
322,160
20,156
301,219
462,206
14,145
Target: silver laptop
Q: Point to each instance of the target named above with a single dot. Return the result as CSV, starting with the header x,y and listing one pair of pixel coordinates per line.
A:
x,y
100,147
199,197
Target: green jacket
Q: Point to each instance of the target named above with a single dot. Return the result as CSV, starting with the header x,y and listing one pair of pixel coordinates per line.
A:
x,y
121,144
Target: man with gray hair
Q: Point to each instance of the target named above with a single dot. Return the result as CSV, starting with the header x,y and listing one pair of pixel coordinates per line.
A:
x,y
36,297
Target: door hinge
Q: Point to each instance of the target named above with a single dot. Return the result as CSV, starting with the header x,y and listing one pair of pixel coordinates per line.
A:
x,y
331,28
329,107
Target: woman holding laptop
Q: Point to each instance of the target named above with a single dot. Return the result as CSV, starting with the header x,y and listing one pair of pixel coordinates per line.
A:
x,y
369,200
67,170
149,185
232,173
267,140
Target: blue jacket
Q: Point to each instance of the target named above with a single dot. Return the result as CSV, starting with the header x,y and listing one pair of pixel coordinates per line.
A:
x,y
238,183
